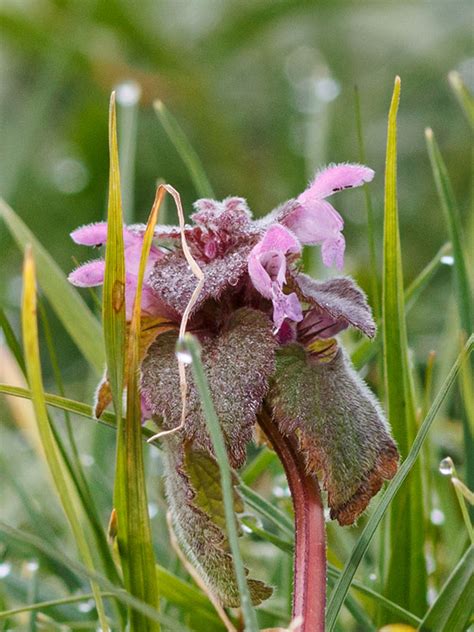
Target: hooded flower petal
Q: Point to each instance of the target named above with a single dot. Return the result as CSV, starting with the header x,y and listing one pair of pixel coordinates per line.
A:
x,y
314,221
88,275
267,270
336,178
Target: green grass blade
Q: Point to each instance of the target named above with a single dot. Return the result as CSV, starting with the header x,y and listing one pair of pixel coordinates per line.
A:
x,y
453,220
22,538
11,340
464,298
258,466
130,500
185,150
406,575
59,471
344,582
267,510
72,311
217,438
52,603
452,609
462,94
113,302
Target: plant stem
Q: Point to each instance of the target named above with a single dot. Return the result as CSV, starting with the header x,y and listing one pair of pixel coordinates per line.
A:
x,y
309,583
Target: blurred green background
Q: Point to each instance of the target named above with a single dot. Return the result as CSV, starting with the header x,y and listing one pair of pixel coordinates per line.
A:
x,y
265,91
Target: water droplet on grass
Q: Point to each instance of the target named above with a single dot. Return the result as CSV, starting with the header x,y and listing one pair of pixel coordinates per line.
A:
x,y
448,260
446,467
5,569
437,516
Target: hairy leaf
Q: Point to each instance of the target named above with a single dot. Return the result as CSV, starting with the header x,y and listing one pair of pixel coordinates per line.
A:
x,y
195,499
340,427
239,361
340,299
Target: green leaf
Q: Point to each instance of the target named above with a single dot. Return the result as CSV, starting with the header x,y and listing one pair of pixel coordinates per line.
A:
x,y
217,438
70,308
196,501
342,434
59,471
452,609
185,150
267,510
238,362
406,575
342,586
130,498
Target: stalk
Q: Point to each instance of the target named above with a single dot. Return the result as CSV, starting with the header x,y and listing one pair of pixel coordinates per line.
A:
x,y
309,583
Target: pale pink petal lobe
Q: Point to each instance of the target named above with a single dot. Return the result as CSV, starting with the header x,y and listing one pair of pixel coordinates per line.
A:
x,y
336,178
88,275
90,234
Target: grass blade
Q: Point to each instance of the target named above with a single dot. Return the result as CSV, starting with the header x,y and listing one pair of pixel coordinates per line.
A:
x,y
59,471
11,340
406,575
133,524
462,94
217,438
113,306
72,311
452,609
462,282
22,537
128,97
344,581
185,150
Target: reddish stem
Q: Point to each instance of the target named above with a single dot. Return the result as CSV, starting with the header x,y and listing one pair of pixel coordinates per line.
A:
x,y
309,583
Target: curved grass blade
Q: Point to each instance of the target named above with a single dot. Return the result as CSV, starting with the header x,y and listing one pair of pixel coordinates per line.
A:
x,y
217,438
185,150
72,311
258,466
11,340
344,581
58,468
452,609
406,575
462,94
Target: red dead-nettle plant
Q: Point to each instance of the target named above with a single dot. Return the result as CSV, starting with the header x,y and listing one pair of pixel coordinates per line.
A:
x,y
269,349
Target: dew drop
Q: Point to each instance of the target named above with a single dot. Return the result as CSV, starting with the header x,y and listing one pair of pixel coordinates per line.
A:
x,y
5,569
87,460
86,606
446,467
373,577
448,260
437,516
182,352
32,566
152,509
128,93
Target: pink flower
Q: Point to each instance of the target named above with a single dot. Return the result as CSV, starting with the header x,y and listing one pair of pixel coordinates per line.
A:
x,y
92,273
315,221
267,270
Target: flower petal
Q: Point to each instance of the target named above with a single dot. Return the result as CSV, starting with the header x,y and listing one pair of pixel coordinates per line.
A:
x,y
318,222
267,261
335,178
96,235
88,275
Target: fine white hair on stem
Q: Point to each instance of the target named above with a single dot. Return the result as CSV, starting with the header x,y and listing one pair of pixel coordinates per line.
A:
x,y
199,274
